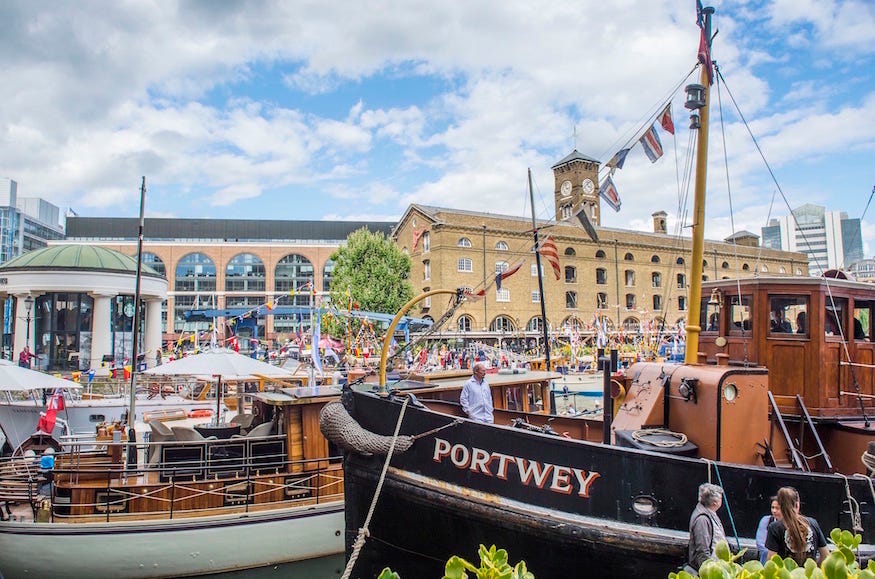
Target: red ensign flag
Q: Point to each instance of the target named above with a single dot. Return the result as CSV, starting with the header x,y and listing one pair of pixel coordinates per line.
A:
x,y
550,253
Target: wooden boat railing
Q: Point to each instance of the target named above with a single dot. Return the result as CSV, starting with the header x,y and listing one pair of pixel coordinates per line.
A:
x,y
201,479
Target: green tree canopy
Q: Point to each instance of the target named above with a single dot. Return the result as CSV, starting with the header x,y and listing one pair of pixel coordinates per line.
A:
x,y
374,270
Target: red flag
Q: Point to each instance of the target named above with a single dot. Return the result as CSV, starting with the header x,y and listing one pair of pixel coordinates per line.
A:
x,y
705,56
550,253
665,119
47,420
499,277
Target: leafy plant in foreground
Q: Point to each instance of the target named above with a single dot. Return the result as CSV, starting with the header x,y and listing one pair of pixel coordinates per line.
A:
x,y
493,565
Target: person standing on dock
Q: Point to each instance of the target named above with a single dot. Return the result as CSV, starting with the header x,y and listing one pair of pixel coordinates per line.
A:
x,y
476,398
706,529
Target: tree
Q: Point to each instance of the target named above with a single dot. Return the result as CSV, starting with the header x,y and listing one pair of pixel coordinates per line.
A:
x,y
374,270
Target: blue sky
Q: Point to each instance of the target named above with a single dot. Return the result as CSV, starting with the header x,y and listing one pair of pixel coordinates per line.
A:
x,y
354,110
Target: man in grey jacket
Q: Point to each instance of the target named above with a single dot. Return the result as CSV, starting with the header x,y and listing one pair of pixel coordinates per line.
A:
x,y
706,529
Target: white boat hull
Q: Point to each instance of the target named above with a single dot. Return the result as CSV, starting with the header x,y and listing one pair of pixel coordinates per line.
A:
x,y
171,548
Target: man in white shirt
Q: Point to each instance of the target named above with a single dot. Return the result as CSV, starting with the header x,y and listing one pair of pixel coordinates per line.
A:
x,y
476,398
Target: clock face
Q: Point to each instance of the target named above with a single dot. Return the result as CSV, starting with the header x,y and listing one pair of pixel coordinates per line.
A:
x,y
588,186
565,188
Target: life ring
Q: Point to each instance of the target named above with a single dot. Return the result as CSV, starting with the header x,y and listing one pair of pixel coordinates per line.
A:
x,y
200,413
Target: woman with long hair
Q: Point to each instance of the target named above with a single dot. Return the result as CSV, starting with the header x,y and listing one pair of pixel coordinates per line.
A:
x,y
795,535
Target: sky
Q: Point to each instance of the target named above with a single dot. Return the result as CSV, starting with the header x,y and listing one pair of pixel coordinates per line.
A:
x,y
340,110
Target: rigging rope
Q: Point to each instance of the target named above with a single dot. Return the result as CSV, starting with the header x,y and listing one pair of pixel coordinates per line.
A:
x,y
711,463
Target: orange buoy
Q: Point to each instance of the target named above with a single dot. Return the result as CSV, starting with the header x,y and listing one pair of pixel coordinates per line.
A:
x,y
200,413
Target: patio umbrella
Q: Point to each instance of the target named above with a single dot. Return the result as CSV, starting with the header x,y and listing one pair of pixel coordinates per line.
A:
x,y
221,362
14,378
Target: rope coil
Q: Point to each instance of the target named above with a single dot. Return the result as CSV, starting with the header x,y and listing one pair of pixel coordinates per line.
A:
x,y
646,436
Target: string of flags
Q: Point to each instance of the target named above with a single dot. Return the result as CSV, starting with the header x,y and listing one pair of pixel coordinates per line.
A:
x,y
652,147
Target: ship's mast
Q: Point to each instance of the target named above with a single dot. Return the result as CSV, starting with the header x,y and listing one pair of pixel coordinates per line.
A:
x,y
540,280
695,295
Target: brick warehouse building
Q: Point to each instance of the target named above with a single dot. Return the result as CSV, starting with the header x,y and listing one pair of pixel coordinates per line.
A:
x,y
627,277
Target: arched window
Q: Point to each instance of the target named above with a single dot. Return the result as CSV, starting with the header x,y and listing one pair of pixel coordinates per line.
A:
x,y
631,324
569,251
465,323
572,323
294,272
600,254
782,269
680,261
244,273
764,268
195,272
745,267
326,275
501,246
654,259
535,325
464,242
704,263
501,324
629,257
154,262
725,265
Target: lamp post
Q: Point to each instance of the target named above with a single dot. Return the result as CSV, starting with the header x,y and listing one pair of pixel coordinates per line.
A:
x,y
28,306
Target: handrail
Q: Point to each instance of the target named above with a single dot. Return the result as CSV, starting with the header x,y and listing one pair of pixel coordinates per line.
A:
x,y
793,450
823,453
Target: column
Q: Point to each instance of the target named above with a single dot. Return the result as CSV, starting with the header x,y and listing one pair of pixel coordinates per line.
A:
x,y
152,338
101,324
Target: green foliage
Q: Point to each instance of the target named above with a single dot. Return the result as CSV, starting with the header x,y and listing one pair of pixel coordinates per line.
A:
x,y
388,574
493,565
374,270
841,564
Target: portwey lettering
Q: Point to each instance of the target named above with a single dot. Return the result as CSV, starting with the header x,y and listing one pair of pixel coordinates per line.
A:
x,y
559,479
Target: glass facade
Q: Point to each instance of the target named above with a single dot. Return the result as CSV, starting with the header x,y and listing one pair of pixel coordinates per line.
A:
x,y
62,331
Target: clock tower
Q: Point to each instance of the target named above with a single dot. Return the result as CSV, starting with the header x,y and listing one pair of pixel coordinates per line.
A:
x,y
576,187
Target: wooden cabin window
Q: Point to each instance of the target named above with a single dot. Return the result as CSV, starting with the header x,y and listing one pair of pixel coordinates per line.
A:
x,y
709,315
788,315
834,317
863,320
740,313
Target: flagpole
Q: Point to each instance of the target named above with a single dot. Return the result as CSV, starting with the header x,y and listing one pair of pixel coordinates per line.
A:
x,y
540,278
136,322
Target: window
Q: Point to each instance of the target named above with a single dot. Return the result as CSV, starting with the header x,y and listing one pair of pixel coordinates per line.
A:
x,y
195,273
725,265
680,261
863,320
657,303
569,251
654,259
709,315
501,266
630,277
739,313
782,269
534,269
501,324
502,295
464,324
764,268
601,301
501,246
426,242
535,325
465,265
631,325
245,272
834,321
630,301
682,303
154,262
293,272
601,276
600,254
570,274
464,242
629,257
426,303
565,211
745,267
426,269
536,297
788,315
571,300
656,279
682,281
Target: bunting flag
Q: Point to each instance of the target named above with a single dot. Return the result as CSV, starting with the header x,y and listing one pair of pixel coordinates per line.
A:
x,y
617,160
608,192
503,275
549,252
651,144
665,119
583,220
704,44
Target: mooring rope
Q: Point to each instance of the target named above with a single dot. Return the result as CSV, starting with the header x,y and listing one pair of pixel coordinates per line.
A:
x,y
711,463
853,506
363,531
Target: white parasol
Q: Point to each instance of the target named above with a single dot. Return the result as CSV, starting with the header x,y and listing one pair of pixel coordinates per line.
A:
x,y
223,363
14,378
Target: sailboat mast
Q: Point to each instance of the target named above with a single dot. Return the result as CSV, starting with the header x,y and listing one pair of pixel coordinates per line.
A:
x,y
540,279
136,322
694,306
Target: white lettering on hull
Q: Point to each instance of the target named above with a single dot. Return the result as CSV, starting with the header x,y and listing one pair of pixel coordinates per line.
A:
x,y
557,478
